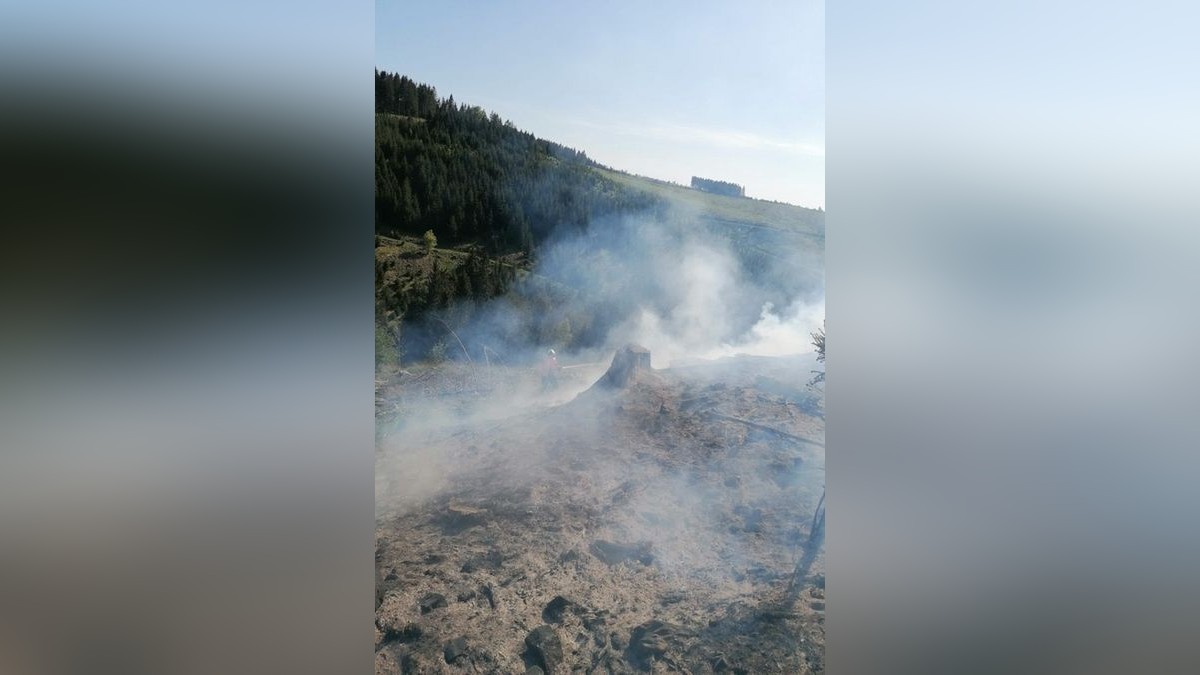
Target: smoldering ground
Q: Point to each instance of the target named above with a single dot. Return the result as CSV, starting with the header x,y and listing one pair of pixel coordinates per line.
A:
x,y
675,280
683,498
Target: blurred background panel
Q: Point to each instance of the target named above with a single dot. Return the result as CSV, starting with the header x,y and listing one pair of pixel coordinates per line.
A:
x,y
1011,284
186,477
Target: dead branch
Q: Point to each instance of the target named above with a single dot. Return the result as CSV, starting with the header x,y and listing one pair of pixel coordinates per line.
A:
x,y
816,537
766,428
460,343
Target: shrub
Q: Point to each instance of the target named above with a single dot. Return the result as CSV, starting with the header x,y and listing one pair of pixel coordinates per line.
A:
x,y
386,352
437,353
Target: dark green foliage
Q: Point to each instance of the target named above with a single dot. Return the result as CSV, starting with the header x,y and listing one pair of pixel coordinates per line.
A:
x,y
386,351
453,176
719,187
471,177
409,281
437,353
401,96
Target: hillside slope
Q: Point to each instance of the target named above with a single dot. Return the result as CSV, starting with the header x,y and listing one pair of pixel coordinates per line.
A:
x,y
745,211
540,246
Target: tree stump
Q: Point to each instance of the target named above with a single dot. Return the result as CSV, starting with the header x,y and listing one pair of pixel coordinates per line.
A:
x,y
626,364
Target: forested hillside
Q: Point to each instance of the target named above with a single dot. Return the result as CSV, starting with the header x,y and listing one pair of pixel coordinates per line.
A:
x,y
471,177
514,242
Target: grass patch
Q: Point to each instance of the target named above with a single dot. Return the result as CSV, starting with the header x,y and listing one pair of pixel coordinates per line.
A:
x,y
743,211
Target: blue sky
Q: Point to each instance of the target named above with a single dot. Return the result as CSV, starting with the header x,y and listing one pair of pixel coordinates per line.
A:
x,y
727,90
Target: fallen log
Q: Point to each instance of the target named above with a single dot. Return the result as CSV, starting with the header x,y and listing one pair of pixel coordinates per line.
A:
x,y
766,428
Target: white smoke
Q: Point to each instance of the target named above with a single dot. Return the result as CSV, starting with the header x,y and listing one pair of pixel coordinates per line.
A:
x,y
695,299
779,333
681,283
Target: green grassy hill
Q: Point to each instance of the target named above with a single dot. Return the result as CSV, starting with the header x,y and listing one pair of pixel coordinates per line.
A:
x,y
751,224
736,211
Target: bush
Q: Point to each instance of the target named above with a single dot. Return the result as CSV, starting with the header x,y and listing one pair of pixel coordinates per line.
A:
x,y
386,352
437,353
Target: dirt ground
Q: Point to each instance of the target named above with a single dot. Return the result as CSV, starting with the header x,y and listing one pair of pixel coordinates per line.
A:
x,y
653,528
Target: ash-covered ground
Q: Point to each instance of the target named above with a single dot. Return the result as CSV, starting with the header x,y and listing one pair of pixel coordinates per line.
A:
x,y
650,527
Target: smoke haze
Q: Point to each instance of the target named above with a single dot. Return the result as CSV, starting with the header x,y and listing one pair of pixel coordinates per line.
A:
x,y
679,282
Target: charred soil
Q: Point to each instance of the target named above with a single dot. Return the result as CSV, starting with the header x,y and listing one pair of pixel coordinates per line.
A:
x,y
652,526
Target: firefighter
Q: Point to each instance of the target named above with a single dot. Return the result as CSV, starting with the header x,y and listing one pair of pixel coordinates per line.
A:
x,y
549,370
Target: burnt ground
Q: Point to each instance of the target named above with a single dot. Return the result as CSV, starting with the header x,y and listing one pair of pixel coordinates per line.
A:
x,y
653,528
